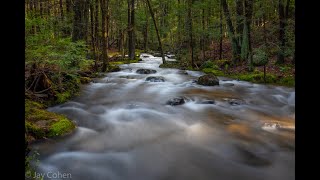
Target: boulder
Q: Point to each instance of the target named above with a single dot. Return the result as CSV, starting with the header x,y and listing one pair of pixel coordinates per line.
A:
x,y
176,101
155,79
208,80
146,71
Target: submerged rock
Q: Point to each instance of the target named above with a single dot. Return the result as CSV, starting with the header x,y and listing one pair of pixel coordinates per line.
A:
x,y
146,71
183,72
207,102
228,84
208,80
234,102
176,101
155,79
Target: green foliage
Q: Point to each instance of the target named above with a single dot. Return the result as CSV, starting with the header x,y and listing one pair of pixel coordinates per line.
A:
x,y
209,64
63,97
287,81
260,56
29,170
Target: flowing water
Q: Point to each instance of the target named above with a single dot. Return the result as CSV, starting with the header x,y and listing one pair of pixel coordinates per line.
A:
x,y
126,131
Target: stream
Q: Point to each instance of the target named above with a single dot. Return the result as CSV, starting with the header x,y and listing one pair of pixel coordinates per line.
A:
x,y
127,131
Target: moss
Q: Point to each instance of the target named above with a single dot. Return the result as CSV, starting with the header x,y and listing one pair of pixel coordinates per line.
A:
x,y
213,71
63,97
60,127
85,80
40,123
257,78
34,130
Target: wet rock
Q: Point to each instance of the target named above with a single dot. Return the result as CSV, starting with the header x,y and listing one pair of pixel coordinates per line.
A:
x,y
155,79
128,77
146,71
140,59
114,69
228,84
183,72
234,102
145,56
176,101
157,55
208,80
171,56
207,102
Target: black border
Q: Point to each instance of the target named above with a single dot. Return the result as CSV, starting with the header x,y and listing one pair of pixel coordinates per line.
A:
x,y
12,87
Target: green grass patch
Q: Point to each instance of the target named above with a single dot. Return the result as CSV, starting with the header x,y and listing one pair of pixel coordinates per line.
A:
x,y
213,71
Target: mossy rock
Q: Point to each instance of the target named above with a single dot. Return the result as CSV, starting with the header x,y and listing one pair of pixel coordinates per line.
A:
x,y
85,80
60,127
40,123
35,131
113,68
208,80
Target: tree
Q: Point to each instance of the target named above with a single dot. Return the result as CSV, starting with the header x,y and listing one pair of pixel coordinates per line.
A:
x,y
104,9
131,31
234,41
189,22
157,31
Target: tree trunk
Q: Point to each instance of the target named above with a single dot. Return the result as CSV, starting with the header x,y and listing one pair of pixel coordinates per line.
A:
x,y
234,41
61,9
246,48
77,25
96,31
203,36
104,35
240,20
280,59
156,27
221,32
68,6
131,44
41,8
189,22
93,47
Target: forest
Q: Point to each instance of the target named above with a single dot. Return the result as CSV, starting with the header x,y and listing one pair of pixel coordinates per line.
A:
x,y
74,45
